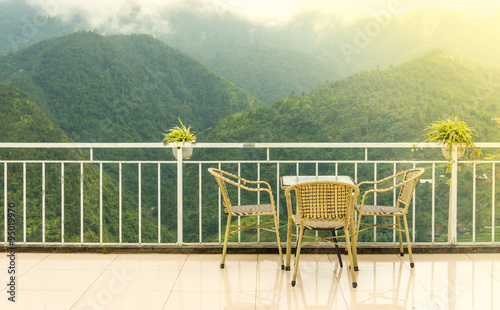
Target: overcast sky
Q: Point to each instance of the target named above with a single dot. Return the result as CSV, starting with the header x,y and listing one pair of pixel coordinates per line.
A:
x,y
112,13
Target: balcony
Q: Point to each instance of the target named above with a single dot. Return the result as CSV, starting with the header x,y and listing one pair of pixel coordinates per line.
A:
x,y
127,202
251,281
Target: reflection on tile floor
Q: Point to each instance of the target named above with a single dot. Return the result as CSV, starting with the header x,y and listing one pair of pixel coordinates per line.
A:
x,y
179,281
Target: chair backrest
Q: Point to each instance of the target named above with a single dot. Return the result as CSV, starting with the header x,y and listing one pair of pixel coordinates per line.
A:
x,y
221,181
323,200
410,176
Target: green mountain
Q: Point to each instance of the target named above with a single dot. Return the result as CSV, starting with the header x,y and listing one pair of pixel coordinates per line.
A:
x,y
120,88
237,49
271,72
270,61
392,105
21,120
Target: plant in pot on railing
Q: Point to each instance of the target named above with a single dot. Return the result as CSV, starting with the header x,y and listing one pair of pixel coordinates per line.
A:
x,y
454,135
181,136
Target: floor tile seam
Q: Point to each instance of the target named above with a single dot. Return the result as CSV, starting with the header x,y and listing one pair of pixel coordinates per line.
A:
x,y
91,284
32,267
175,282
27,271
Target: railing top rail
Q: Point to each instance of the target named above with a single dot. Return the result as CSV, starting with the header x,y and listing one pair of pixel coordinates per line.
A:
x,y
111,145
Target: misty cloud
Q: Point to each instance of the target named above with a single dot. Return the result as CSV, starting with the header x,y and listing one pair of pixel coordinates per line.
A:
x,y
152,16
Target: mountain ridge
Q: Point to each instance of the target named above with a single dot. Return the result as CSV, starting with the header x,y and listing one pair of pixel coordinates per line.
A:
x,y
120,88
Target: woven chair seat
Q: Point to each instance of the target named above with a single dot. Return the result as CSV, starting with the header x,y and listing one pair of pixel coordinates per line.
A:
x,y
265,209
319,225
380,210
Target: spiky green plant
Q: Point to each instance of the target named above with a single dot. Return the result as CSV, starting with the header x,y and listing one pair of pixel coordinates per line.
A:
x,y
450,133
179,134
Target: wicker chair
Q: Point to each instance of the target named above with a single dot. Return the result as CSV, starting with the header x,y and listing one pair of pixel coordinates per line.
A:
x,y
223,178
406,189
321,205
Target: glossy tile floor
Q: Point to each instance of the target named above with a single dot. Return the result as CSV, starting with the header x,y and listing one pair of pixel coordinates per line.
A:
x,y
168,281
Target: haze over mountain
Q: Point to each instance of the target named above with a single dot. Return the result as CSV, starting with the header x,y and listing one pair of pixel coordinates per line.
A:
x,y
278,48
120,88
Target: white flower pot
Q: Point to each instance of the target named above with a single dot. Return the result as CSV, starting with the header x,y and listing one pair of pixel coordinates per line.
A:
x,y
187,149
446,153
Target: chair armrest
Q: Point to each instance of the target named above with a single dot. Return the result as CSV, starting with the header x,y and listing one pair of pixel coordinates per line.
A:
x,y
383,180
381,190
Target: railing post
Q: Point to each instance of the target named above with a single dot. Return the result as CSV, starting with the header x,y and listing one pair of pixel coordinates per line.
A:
x,y
179,196
452,215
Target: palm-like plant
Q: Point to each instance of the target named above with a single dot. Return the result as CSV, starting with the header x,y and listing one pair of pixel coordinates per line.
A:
x,y
452,132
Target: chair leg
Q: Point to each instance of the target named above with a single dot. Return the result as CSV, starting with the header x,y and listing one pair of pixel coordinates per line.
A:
x,y
401,250
226,238
408,241
351,260
334,235
354,235
288,243
297,256
276,226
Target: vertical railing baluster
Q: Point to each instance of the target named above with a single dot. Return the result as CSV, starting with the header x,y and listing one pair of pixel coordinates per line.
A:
x,y
180,203
316,174
62,203
394,171
120,202
278,189
493,178
5,201
414,201
239,202
433,218
258,202
474,202
356,173
374,201
100,205
159,203
139,203
199,201
43,203
81,202
24,202
220,209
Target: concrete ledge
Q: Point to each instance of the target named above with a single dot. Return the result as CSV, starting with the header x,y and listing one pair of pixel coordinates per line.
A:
x,y
243,249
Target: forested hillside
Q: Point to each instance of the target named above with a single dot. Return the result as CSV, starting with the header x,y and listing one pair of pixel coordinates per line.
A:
x,y
22,121
271,60
272,73
120,88
392,105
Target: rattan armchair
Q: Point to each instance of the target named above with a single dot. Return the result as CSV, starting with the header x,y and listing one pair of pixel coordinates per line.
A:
x,y
400,209
223,178
321,205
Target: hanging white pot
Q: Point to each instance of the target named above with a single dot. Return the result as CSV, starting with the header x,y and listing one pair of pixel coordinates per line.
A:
x,y
187,149
446,153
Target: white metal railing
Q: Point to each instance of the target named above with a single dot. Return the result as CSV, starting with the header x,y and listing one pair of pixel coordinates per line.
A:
x,y
269,157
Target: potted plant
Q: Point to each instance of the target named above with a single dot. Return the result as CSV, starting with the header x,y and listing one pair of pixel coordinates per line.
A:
x,y
181,137
454,134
